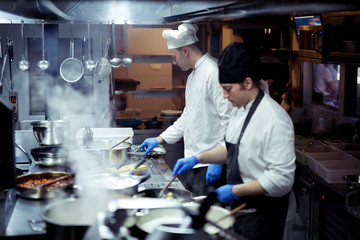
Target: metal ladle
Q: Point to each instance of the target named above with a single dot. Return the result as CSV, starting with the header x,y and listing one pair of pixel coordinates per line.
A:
x,y
115,61
24,64
43,64
89,64
126,61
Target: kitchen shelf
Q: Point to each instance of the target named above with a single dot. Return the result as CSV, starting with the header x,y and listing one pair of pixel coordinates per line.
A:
x,y
156,92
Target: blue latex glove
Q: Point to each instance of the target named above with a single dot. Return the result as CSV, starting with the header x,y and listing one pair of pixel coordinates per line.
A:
x,y
213,173
225,194
184,164
148,145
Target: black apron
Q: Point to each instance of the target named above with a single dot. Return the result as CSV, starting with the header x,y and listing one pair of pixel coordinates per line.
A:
x,y
269,219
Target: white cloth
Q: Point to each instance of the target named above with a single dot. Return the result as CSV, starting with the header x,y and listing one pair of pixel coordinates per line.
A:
x,y
323,75
206,114
266,151
184,36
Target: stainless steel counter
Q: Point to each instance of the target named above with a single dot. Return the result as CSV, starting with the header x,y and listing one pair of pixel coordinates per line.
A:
x,y
25,209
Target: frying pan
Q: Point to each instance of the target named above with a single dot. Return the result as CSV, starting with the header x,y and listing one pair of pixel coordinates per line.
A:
x,y
42,193
179,194
71,69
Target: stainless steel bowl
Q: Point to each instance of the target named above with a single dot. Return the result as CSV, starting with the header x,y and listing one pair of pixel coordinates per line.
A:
x,y
51,132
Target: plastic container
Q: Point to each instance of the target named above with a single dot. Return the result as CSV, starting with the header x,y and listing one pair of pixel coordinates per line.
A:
x,y
315,159
100,134
331,166
303,150
333,171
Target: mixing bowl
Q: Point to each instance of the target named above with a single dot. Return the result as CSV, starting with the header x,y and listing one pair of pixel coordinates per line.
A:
x,y
51,132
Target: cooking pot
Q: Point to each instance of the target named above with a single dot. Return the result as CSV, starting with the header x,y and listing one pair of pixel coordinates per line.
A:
x,y
99,153
68,219
178,194
49,155
43,192
51,132
153,123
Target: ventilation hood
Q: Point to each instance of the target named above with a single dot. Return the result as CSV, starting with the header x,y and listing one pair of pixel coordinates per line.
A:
x,y
160,11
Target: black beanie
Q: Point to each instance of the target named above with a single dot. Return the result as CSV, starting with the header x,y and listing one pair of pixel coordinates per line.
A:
x,y
236,63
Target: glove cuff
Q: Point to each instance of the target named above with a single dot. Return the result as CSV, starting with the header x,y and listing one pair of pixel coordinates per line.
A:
x,y
196,160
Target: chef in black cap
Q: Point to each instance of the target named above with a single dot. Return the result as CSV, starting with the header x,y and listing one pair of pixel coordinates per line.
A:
x,y
260,151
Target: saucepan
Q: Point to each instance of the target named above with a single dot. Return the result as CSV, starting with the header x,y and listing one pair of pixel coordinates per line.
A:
x,y
100,152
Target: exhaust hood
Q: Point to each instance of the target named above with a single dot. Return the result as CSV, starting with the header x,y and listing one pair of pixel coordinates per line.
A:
x,y
160,12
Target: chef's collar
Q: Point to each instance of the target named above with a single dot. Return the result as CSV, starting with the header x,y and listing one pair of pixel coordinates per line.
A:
x,y
201,60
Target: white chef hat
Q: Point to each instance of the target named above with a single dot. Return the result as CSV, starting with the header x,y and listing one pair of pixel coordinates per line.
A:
x,y
184,36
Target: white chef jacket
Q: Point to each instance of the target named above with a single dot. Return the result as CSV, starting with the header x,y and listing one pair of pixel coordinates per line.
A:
x,y
266,151
206,114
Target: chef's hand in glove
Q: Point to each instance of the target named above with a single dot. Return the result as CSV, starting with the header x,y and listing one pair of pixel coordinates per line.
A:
x,y
149,144
225,194
184,164
213,173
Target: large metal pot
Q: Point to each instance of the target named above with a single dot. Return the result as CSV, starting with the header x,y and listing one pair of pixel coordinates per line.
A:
x,y
99,153
68,219
41,192
51,132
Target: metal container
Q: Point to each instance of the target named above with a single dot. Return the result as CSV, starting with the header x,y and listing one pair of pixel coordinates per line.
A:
x,y
40,192
100,151
68,219
51,132
49,156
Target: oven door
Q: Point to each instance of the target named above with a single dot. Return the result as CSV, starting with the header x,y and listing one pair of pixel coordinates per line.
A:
x,y
304,192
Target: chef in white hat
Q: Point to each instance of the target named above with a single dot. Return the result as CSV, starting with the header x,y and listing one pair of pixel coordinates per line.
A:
x,y
204,120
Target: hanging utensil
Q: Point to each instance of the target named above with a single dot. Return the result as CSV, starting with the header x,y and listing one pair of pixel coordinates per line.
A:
x,y
103,67
43,64
89,64
11,57
166,186
115,61
126,61
71,69
24,64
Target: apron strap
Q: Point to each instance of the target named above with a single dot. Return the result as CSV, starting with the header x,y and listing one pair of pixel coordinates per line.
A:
x,y
233,173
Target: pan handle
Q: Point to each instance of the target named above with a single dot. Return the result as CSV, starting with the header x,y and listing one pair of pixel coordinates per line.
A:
x,y
37,225
25,152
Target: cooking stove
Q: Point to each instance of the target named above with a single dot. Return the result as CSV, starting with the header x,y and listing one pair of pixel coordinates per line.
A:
x,y
160,175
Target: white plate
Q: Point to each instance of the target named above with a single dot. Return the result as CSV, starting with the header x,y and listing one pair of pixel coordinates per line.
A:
x,y
171,112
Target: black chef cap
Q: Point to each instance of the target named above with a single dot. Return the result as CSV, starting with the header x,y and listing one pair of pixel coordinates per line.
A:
x,y
236,63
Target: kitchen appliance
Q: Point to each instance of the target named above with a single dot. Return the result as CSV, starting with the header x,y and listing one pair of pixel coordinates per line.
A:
x,y
304,190
7,152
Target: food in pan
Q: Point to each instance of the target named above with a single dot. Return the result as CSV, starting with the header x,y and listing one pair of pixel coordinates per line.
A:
x,y
170,195
31,183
